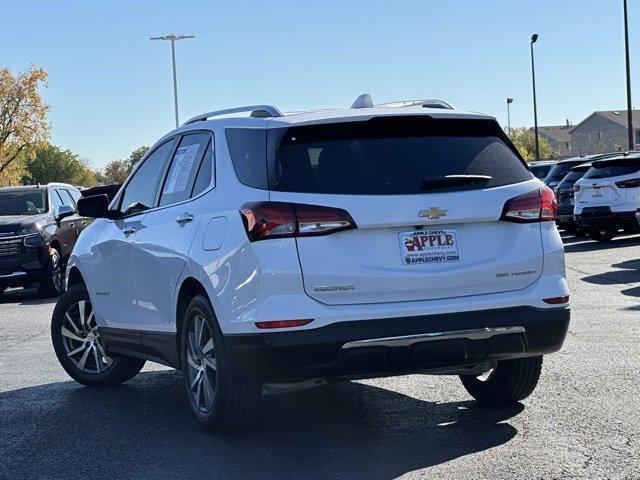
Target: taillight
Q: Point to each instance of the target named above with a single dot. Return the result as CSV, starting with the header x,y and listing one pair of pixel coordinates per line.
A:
x,y
631,183
537,206
556,300
264,220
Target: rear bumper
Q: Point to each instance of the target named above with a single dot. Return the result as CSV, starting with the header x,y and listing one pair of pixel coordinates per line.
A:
x,y
564,214
392,346
598,216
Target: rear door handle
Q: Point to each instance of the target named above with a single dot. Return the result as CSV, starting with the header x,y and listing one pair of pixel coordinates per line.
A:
x,y
184,218
129,230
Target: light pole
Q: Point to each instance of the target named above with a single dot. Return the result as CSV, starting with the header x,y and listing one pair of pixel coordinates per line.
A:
x,y
626,47
173,39
534,39
509,102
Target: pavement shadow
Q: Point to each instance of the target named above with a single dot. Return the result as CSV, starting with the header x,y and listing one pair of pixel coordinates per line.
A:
x,y
143,429
586,245
568,238
628,272
25,296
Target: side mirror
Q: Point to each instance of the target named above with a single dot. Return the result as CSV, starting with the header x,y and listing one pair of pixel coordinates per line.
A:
x,y
63,211
95,206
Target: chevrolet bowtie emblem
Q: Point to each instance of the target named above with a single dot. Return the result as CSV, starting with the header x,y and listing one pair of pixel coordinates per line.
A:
x,y
433,213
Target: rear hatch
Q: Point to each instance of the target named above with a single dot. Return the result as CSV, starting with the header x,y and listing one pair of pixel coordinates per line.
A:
x,y
424,230
605,183
564,190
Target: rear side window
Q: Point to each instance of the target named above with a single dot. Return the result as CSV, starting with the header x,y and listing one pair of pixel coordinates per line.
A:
x,y
387,156
205,173
613,168
66,197
56,201
75,194
248,154
185,164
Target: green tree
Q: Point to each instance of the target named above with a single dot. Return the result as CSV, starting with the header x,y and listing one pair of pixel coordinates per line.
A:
x,y
23,115
47,163
136,156
525,142
88,177
117,171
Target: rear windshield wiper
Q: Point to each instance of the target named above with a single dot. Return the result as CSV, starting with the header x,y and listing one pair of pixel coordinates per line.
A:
x,y
453,181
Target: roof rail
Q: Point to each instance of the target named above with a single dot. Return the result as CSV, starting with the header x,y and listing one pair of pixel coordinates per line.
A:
x,y
428,103
257,111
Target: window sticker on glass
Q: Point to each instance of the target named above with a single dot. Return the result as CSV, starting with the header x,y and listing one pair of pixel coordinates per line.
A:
x,y
181,168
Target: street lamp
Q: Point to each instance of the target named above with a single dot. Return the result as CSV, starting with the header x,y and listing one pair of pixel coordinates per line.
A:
x,y
534,39
509,102
173,39
626,46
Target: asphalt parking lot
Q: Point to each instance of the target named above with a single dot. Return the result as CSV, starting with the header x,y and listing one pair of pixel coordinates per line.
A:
x,y
583,420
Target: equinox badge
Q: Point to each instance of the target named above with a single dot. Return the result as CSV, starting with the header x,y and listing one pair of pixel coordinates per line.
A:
x,y
433,213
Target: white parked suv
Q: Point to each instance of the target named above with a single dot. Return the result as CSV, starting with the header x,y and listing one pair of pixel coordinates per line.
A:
x,y
280,251
607,197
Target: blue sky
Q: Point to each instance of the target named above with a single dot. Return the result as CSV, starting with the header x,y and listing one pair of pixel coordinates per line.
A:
x,y
110,87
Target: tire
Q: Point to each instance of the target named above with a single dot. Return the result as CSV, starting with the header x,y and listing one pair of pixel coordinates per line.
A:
x,y
90,365
580,232
573,229
603,234
509,382
220,401
53,283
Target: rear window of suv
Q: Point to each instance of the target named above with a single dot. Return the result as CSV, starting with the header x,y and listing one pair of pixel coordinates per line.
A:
x,y
613,168
390,155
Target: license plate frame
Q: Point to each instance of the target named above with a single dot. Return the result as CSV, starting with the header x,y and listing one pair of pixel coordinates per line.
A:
x,y
429,246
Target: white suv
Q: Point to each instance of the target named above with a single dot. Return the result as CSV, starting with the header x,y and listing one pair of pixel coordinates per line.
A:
x,y
607,197
280,251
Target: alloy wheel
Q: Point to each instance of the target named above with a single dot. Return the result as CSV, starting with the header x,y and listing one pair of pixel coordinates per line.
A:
x,y
201,364
81,340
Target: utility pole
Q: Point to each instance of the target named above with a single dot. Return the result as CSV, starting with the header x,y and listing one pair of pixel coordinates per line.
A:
x,y
173,39
626,47
534,39
509,101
